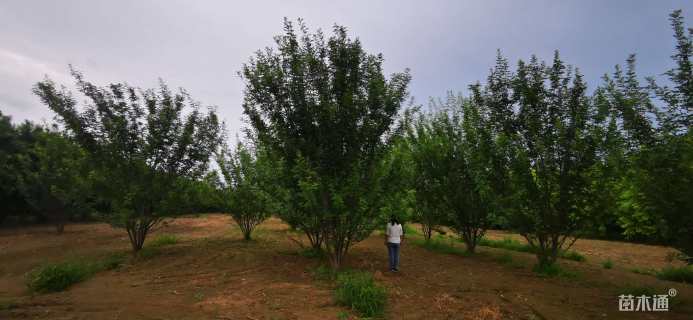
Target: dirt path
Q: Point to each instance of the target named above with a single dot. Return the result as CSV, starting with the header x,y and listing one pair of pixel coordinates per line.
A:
x,y
212,274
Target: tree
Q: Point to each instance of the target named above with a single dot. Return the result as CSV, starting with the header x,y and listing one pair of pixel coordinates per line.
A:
x,y
57,183
245,194
552,156
664,180
8,173
429,147
143,144
323,108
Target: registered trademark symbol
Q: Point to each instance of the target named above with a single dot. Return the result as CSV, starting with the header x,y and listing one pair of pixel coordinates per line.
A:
x,y
673,292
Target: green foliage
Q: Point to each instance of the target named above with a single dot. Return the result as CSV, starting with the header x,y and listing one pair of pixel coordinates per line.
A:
x,y
342,315
553,153
324,111
147,145
60,276
58,181
679,274
607,264
358,291
247,194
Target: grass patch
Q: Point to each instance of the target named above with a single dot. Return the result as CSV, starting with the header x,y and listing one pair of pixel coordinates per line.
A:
x,y
554,270
342,315
439,245
607,264
163,240
678,274
358,290
508,243
60,276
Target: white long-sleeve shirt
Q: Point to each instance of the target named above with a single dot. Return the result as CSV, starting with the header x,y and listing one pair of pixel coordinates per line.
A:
x,y
394,233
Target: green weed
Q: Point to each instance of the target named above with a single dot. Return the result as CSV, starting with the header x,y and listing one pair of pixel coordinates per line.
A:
x,y
358,291
607,264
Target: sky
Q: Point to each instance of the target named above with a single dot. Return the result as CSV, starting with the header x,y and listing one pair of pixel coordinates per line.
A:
x,y
201,45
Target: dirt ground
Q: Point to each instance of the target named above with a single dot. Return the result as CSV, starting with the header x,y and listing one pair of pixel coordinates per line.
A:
x,y
211,273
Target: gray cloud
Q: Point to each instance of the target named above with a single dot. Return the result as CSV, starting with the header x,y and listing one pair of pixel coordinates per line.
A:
x,y
200,45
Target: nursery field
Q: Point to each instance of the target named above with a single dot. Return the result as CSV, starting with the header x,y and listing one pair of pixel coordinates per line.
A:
x,y
199,267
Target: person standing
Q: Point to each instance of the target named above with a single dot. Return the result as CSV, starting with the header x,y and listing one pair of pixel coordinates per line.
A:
x,y
393,239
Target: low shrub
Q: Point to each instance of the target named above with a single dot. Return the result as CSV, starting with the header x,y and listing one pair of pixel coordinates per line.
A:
x,y
607,264
59,276
678,274
358,291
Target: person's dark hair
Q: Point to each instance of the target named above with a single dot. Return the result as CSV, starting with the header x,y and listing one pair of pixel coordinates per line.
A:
x,y
394,220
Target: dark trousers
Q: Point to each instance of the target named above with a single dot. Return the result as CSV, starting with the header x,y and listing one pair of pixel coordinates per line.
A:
x,y
393,253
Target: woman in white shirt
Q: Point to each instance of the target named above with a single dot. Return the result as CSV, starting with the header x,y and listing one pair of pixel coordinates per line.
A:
x,y
393,239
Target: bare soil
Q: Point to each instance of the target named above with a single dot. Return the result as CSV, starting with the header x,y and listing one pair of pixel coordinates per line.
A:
x,y
211,273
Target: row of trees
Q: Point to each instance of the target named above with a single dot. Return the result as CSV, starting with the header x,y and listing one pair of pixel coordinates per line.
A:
x,y
532,151
330,150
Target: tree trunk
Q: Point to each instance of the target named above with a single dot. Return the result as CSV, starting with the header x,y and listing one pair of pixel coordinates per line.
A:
x,y
427,231
60,227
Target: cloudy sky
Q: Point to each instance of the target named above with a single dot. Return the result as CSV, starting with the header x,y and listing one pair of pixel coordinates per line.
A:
x,y
201,45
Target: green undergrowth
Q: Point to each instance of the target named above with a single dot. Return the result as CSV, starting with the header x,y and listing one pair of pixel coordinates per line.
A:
x,y
358,290
54,277
355,289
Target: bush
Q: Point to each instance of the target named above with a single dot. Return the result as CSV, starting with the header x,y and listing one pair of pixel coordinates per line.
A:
x,y
358,291
679,274
60,276
608,264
